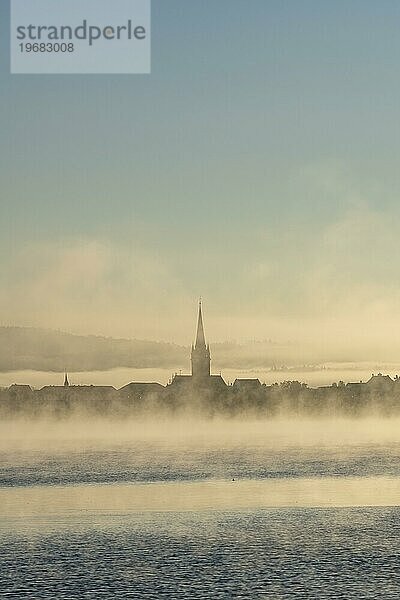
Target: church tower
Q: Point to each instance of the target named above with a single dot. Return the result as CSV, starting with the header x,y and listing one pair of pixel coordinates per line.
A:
x,y
200,354
66,382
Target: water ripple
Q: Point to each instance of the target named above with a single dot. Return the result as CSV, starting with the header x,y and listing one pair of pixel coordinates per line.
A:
x,y
301,553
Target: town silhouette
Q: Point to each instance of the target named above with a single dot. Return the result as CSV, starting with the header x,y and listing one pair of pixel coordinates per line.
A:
x,y
204,393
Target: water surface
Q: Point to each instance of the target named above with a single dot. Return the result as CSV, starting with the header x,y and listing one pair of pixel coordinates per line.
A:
x,y
283,515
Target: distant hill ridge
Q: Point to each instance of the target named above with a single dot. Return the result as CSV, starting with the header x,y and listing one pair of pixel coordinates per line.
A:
x,y
47,350
29,348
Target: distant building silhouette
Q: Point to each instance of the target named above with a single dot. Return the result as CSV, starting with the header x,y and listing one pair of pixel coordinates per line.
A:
x,y
380,383
200,380
200,357
203,393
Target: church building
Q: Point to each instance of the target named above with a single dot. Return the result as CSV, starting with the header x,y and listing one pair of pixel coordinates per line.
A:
x,y
201,378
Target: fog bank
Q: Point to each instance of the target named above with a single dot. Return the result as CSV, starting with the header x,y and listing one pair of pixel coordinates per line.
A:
x,y
189,432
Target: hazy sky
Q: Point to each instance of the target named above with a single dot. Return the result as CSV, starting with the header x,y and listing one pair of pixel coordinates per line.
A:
x,y
258,166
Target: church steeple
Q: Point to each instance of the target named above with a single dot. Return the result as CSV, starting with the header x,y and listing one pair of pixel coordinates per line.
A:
x,y
200,353
66,382
200,337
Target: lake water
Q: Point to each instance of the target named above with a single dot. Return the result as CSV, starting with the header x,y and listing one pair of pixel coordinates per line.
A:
x,y
201,516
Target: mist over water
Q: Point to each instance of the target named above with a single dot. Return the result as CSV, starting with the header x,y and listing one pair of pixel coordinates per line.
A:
x,y
186,431
199,508
150,450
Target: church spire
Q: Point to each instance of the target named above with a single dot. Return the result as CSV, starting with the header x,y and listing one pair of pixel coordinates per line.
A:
x,y
66,382
200,354
200,337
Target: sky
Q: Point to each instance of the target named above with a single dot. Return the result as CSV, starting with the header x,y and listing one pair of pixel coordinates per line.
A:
x,y
256,166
